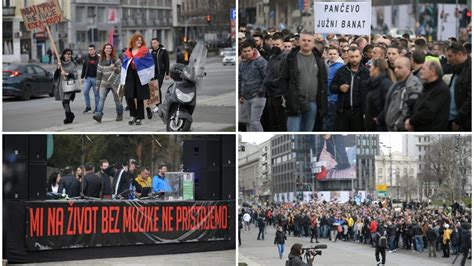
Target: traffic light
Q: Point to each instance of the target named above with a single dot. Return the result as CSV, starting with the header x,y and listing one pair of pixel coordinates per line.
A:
x,y
208,19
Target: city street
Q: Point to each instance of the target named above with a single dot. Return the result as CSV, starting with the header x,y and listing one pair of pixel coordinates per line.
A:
x,y
258,252
215,110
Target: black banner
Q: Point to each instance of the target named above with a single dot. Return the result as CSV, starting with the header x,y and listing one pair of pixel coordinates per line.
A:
x,y
78,224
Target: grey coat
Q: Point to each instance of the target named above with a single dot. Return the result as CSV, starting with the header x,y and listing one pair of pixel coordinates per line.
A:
x,y
69,67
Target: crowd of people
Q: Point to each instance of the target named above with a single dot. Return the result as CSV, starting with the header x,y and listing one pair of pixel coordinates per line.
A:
x,y
129,75
111,181
410,226
310,82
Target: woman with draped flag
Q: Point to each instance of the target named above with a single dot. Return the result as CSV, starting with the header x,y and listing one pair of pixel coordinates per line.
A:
x,y
137,71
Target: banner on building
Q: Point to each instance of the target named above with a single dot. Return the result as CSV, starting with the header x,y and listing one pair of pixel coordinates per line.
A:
x,y
78,224
333,157
342,17
42,15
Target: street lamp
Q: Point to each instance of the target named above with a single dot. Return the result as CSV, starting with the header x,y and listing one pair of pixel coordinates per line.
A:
x,y
391,171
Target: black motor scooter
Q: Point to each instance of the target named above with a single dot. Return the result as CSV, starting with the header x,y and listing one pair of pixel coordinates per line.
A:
x,y
180,100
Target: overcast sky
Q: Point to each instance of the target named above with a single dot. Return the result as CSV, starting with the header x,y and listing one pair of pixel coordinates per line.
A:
x,y
388,139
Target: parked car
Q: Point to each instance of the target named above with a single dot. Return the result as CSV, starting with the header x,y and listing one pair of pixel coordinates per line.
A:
x,y
26,80
225,50
229,58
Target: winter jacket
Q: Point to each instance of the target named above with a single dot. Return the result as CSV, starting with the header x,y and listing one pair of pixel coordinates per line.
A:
x,y
272,78
375,101
71,184
400,101
280,237
333,68
295,260
431,235
162,62
431,111
354,97
462,94
296,101
251,76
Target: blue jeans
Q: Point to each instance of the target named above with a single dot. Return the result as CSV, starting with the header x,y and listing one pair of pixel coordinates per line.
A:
x,y
303,122
88,83
419,243
103,95
254,108
391,242
261,232
330,117
281,249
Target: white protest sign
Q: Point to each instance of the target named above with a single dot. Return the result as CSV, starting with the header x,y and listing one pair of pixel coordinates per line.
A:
x,y
353,18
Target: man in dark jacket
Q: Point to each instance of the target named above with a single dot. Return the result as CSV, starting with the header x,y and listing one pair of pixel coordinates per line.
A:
x,y
124,177
89,76
261,225
304,82
460,88
350,83
431,238
431,110
106,173
274,111
70,183
465,241
91,183
380,247
378,87
162,67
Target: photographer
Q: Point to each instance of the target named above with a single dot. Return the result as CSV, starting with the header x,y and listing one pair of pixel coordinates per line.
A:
x,y
295,256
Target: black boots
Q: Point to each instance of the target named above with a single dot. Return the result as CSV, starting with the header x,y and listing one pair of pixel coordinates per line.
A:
x,y
69,118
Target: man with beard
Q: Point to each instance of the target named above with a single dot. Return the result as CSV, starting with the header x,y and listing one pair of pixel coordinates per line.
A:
x,y
274,114
260,45
460,88
350,83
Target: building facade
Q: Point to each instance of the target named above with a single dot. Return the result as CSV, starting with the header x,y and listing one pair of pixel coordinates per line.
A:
x,y
266,169
249,171
398,173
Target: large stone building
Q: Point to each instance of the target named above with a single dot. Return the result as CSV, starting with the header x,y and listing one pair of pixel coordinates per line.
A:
x,y
398,173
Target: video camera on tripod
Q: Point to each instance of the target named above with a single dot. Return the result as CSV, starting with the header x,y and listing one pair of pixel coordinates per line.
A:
x,y
311,252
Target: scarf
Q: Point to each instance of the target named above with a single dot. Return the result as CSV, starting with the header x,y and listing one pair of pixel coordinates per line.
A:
x,y
143,62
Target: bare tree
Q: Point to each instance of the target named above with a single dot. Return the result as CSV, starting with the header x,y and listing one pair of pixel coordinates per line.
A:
x,y
408,186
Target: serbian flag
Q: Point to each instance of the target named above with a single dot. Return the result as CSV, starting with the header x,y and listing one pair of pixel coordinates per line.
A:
x,y
143,62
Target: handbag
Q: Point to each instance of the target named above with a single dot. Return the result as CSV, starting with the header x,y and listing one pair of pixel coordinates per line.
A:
x,y
70,86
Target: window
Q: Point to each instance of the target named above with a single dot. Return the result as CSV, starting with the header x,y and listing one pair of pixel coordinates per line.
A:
x,y
40,71
101,14
419,148
90,12
7,37
80,14
30,70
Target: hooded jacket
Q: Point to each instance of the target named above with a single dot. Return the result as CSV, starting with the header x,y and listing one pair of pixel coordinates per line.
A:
x,y
375,101
333,68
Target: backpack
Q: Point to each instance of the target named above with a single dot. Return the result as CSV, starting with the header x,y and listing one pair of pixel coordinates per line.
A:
x,y
382,240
